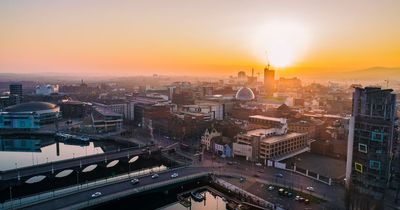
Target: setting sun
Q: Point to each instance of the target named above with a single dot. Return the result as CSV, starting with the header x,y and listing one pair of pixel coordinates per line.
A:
x,y
281,42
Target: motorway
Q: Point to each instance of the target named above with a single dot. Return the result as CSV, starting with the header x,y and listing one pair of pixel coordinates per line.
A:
x,y
71,163
85,195
329,192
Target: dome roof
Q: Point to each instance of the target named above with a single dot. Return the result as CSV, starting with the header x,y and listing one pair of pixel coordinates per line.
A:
x,y
244,94
30,107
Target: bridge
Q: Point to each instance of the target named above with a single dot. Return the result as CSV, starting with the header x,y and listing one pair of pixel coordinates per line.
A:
x,y
54,168
80,196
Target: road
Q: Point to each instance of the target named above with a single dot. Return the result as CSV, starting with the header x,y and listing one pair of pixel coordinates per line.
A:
x,y
85,195
71,163
334,193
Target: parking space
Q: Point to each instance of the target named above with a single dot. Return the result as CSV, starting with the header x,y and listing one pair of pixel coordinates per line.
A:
x,y
286,199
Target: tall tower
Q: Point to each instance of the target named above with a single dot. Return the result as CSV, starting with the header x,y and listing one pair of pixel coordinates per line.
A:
x,y
269,80
372,147
16,89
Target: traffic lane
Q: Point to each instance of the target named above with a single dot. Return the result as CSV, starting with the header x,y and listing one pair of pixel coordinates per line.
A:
x,y
84,196
70,163
289,178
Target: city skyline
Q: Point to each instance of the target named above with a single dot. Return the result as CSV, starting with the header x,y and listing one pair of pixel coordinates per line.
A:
x,y
197,38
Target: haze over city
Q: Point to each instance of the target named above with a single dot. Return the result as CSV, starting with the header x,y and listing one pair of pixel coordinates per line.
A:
x,y
200,105
197,38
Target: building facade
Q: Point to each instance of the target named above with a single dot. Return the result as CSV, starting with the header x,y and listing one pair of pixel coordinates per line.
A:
x,y
372,143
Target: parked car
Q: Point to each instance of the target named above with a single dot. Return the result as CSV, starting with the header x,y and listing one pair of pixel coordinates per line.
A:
x,y
270,188
96,194
310,189
306,201
174,175
242,179
135,181
154,176
297,198
279,175
258,164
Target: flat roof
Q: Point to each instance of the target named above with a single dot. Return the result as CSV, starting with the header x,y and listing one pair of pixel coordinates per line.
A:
x,y
262,117
260,132
274,139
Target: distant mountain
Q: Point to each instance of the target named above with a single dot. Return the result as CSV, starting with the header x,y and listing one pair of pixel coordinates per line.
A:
x,y
373,74
376,73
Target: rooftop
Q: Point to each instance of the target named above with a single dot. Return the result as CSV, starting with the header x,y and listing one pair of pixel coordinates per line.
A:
x,y
261,117
274,139
260,132
30,107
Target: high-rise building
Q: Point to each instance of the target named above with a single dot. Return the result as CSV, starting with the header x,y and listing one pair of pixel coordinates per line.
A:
x,y
16,89
372,148
269,80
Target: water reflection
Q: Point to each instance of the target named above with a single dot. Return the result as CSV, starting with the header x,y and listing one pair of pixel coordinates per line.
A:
x,y
22,152
211,202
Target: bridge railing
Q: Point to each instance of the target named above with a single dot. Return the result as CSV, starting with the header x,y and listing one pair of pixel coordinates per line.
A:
x,y
129,192
37,198
75,158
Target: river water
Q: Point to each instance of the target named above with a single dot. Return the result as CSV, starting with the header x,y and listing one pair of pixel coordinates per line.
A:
x,y
28,151
210,203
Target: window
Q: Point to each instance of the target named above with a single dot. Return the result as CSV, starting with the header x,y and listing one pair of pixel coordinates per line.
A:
x,y
376,136
373,164
362,148
358,167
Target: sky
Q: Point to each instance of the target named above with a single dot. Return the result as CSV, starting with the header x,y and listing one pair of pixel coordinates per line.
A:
x,y
202,38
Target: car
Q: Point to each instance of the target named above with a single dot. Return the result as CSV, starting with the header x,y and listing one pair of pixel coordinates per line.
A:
x,y
260,171
256,175
154,176
311,189
270,188
281,191
230,163
297,198
174,175
242,179
258,164
279,175
135,181
289,194
96,194
306,201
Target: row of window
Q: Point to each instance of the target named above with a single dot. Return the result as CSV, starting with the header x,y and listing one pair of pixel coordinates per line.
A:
x,y
373,164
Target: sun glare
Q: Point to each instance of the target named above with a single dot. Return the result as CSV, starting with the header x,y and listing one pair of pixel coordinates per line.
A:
x,y
281,43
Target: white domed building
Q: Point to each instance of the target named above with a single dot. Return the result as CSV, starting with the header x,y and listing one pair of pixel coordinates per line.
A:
x,y
244,94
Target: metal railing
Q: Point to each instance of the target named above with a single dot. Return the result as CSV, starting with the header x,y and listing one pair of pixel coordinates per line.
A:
x,y
49,195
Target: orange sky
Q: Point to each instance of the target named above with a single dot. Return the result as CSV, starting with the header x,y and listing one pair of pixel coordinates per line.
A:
x,y
98,37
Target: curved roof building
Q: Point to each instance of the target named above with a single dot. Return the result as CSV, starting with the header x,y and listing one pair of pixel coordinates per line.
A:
x,y
29,115
244,94
31,107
